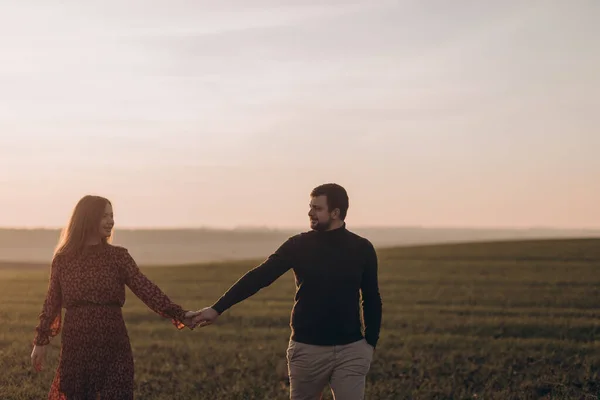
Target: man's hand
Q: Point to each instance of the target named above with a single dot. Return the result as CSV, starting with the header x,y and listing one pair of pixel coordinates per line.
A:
x,y
189,319
205,317
38,357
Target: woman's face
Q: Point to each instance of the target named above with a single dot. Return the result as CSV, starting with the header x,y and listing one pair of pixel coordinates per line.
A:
x,y
107,222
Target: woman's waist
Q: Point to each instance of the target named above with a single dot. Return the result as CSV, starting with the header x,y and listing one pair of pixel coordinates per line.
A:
x,y
105,318
93,311
82,304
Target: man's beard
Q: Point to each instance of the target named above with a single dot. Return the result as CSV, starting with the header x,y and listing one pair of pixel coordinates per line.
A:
x,y
322,226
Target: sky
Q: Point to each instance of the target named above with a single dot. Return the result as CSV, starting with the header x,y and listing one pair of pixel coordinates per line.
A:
x,y
224,114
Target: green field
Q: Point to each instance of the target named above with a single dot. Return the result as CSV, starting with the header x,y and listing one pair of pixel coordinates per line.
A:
x,y
506,320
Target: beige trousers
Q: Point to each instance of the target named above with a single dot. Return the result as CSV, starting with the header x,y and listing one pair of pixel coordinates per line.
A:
x,y
343,367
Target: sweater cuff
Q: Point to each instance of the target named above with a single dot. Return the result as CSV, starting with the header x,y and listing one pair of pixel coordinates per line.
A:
x,y
372,341
219,307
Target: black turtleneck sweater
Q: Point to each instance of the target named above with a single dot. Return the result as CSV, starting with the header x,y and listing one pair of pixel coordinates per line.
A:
x,y
332,269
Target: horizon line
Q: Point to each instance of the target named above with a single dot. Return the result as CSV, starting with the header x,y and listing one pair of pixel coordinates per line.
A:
x,y
295,228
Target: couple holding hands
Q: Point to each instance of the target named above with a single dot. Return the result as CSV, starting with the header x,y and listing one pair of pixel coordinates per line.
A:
x,y
337,292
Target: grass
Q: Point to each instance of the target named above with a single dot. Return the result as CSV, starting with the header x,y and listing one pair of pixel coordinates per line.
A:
x,y
506,320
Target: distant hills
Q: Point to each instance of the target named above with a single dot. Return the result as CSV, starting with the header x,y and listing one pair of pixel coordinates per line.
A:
x,y
181,246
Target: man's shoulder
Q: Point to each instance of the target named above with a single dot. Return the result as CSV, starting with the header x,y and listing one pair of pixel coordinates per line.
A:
x,y
301,237
308,236
358,238
293,244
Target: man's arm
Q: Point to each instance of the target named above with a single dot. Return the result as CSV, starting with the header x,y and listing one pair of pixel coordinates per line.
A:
x,y
371,299
262,276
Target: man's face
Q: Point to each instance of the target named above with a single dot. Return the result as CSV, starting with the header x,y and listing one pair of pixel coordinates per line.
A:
x,y
320,217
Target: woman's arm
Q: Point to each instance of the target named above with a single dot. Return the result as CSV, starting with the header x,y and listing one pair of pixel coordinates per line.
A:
x,y
50,318
151,294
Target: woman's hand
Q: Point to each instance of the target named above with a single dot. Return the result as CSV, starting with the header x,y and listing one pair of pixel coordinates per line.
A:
x,y
189,319
206,316
38,357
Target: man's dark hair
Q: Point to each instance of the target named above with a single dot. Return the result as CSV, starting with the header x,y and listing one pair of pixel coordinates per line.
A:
x,y
337,197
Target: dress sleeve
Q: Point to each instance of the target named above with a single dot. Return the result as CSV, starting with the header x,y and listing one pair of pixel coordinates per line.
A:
x,y
50,318
149,292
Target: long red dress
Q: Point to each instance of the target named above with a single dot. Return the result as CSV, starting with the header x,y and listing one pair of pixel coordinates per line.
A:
x,y
96,360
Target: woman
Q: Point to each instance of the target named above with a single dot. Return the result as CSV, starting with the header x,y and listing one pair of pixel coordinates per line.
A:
x,y
88,278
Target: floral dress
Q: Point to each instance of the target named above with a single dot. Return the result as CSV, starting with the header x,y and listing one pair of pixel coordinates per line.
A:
x,y
96,360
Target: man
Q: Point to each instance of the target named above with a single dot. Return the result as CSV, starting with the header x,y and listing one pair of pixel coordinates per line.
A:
x,y
333,267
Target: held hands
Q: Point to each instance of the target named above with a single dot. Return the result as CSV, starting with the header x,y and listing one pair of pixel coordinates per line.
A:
x,y
205,317
201,318
189,319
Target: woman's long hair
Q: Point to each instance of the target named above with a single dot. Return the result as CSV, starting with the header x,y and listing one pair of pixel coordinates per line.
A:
x,y
83,225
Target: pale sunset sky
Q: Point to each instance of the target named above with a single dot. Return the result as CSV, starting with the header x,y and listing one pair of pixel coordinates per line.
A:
x,y
227,113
